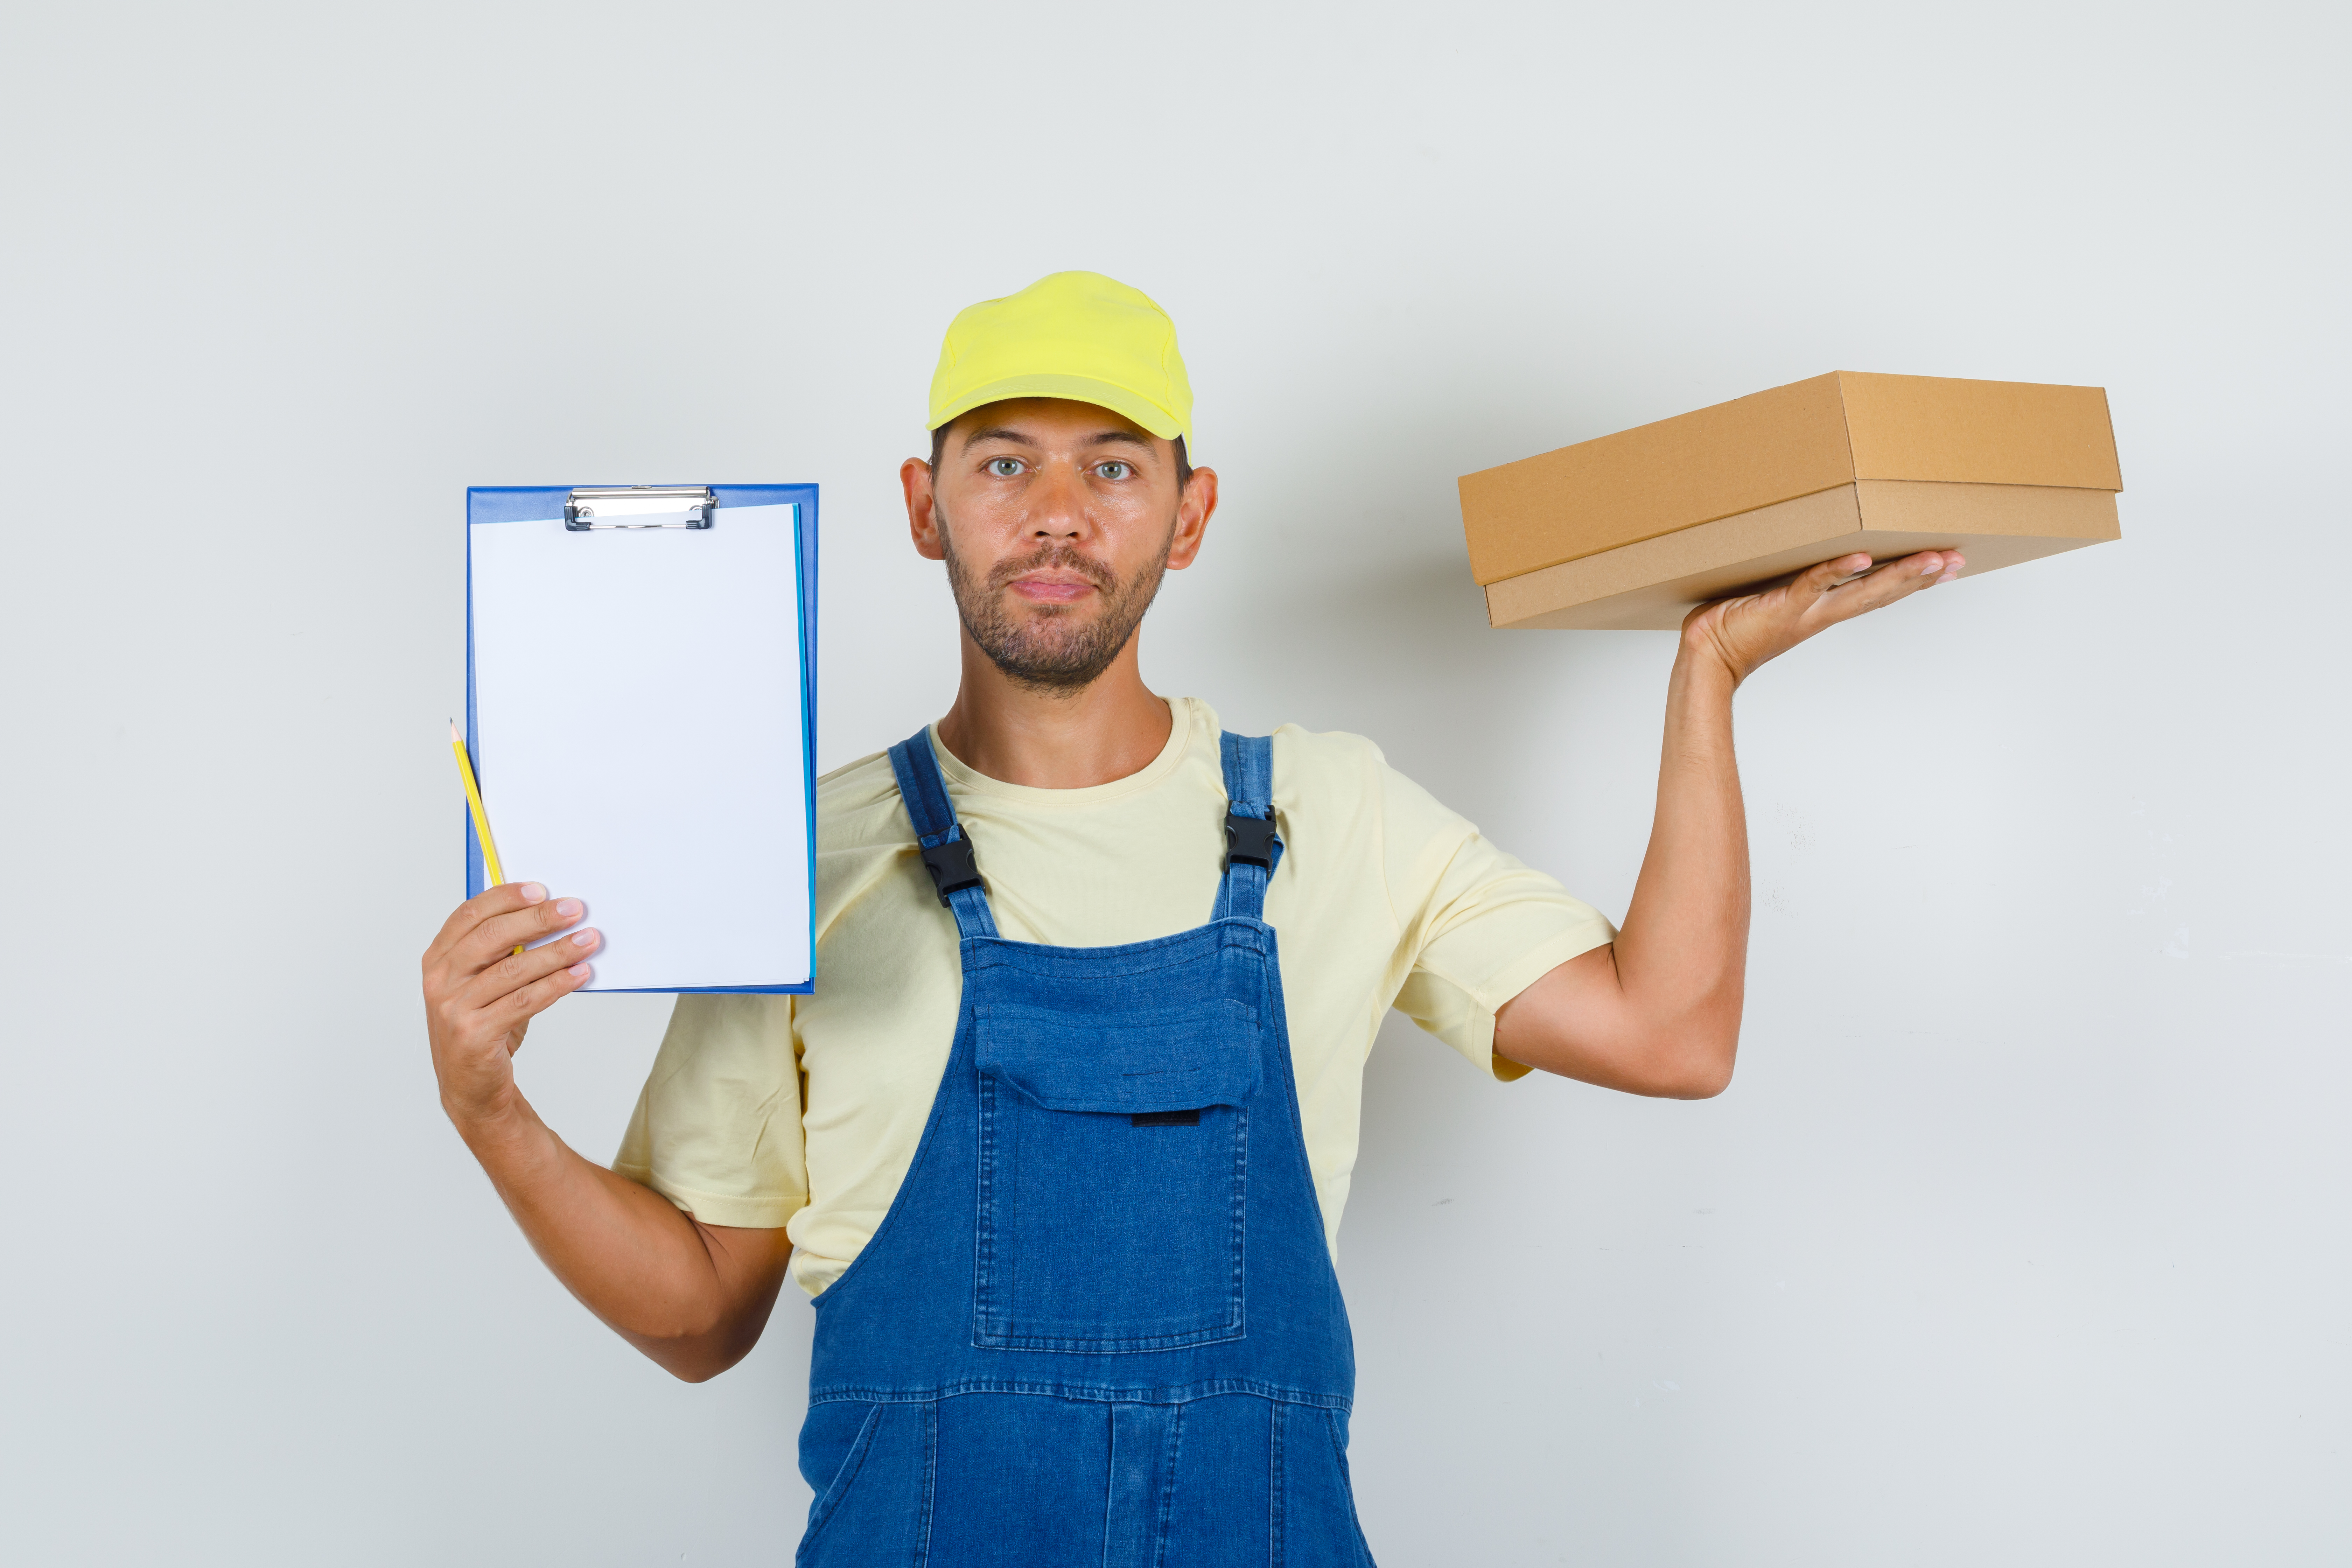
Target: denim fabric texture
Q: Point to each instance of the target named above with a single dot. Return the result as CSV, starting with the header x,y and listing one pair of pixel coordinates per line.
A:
x,y
1100,1324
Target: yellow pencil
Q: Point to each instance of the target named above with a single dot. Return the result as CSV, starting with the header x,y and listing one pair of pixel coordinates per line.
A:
x,y
474,802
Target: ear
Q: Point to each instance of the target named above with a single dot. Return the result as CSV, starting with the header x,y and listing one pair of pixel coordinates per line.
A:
x,y
1194,510
922,509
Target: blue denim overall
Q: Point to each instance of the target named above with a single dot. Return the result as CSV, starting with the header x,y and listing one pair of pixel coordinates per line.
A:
x,y
1100,1324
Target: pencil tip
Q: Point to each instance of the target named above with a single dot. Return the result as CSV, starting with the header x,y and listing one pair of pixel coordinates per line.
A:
x,y
454,738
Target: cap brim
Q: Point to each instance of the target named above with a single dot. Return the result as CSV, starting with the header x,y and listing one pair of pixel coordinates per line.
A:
x,y
1077,389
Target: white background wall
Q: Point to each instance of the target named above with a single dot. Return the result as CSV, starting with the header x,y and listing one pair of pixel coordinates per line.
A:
x,y
2022,1238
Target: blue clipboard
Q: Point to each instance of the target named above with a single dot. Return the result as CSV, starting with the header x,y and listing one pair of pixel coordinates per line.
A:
x,y
521,503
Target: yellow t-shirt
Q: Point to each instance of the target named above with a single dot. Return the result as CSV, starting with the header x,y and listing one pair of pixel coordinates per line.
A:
x,y
804,1111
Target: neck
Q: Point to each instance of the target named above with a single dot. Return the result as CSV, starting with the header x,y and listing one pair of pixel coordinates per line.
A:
x,y
1095,734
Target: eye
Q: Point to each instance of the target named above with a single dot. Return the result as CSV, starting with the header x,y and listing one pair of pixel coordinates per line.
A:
x,y
1005,468
1115,469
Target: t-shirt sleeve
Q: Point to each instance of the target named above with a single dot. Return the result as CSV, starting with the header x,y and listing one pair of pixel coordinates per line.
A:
x,y
1478,925
717,1129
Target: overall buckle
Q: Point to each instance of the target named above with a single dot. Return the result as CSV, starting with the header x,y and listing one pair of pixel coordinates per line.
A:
x,y
1249,841
952,867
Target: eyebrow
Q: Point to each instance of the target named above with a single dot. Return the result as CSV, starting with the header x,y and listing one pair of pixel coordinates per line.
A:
x,y
1005,433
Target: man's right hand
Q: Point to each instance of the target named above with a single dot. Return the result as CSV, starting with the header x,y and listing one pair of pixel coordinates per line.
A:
x,y
694,1297
481,995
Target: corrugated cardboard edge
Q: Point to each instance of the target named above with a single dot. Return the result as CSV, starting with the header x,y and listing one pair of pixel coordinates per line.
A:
x,y
1975,511
1652,584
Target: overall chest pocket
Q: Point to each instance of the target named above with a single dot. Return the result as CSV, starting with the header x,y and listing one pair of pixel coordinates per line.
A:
x,y
1114,1163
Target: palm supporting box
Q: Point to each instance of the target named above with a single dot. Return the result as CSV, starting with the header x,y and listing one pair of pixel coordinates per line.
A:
x,y
1633,530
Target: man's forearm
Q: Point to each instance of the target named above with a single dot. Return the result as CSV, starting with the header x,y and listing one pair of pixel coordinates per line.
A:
x,y
1657,1011
692,1297
1682,954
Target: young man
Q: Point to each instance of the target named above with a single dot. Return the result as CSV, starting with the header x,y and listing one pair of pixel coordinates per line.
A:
x,y
1059,1143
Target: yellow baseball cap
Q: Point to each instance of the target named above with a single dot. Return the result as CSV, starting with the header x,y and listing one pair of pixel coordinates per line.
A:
x,y
1078,335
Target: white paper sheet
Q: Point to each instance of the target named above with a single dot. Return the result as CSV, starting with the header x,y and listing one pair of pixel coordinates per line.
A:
x,y
637,709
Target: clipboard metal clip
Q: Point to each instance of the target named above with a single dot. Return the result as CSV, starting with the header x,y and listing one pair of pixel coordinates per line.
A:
x,y
595,507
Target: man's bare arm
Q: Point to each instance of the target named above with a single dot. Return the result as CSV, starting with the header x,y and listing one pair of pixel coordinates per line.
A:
x,y
693,1297
1657,1011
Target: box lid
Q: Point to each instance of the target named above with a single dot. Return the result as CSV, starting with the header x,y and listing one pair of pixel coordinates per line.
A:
x,y
1980,432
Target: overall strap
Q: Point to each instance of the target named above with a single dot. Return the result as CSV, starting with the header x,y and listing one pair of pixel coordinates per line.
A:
x,y
1251,850
947,851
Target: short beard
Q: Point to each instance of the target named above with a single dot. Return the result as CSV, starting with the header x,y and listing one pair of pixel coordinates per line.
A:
x,y
1047,653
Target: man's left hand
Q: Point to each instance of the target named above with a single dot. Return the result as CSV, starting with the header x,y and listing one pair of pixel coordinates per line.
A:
x,y
1744,632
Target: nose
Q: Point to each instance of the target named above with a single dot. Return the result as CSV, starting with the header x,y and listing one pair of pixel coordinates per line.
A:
x,y
1058,505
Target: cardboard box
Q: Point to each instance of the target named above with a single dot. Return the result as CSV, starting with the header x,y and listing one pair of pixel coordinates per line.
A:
x,y
1635,528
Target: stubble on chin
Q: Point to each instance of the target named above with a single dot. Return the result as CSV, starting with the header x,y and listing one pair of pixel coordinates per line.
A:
x,y
1050,648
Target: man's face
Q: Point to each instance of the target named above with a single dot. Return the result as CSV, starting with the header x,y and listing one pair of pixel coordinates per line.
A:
x,y
1057,521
